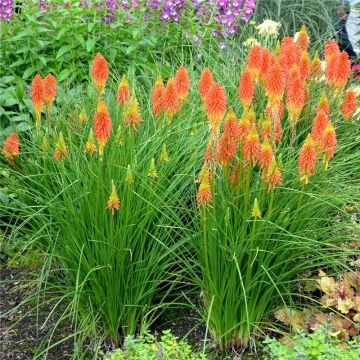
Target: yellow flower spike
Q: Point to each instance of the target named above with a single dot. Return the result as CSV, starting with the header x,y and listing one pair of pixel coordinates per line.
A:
x,y
164,157
113,202
256,212
304,180
83,117
129,177
152,170
90,145
60,152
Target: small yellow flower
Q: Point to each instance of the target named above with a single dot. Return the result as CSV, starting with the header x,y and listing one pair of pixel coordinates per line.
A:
x,y
90,145
129,178
256,212
152,170
268,27
113,202
164,157
250,42
83,118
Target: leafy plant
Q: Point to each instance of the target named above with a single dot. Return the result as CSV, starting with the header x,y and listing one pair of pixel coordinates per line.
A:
x,y
146,347
318,345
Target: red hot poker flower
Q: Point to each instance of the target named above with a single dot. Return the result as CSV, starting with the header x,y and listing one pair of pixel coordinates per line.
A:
x,y
320,122
266,155
102,125
338,70
323,104
206,82
303,38
246,88
100,72
328,143
255,60
132,113
275,85
123,94
170,98
307,157
316,65
50,89
38,98
182,82
305,65
215,104
252,146
156,96
204,196
331,48
11,147
273,176
113,202
348,106
60,152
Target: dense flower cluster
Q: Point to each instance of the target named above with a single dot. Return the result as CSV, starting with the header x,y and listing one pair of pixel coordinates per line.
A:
x,y
6,10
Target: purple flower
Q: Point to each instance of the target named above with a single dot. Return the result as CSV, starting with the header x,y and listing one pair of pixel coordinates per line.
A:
x,y
6,10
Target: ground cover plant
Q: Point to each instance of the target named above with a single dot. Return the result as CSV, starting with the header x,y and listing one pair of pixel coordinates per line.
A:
x,y
227,189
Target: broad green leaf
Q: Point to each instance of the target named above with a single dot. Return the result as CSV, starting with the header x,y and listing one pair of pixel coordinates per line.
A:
x,y
63,50
61,32
63,75
28,72
90,44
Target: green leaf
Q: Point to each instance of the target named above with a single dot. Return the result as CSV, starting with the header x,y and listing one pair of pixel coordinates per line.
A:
x,y
90,26
23,127
63,75
90,44
61,32
28,72
63,50
42,59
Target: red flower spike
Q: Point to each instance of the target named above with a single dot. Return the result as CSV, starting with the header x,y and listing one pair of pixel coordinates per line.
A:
x,y
102,125
215,105
182,82
123,94
349,106
156,96
307,157
320,122
246,88
170,99
206,82
255,60
303,39
100,72
11,147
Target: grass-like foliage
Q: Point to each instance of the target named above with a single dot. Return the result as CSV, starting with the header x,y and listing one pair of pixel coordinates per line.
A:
x,y
104,186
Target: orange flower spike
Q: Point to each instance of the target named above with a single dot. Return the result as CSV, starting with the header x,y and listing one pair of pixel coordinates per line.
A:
x,y
266,155
246,88
156,96
266,64
206,81
11,147
182,82
244,125
204,196
303,40
273,176
321,120
275,85
102,125
331,70
50,89
305,65
328,143
171,100
295,98
215,105
255,60
123,94
278,130
252,146
60,152
231,126
132,113
100,72
113,202
349,106
208,152
266,128
307,157
331,48
323,104
226,149
343,70
38,98
315,65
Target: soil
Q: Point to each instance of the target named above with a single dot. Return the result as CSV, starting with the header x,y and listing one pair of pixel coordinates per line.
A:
x,y
20,338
